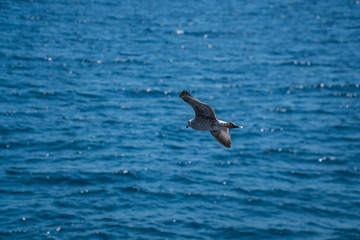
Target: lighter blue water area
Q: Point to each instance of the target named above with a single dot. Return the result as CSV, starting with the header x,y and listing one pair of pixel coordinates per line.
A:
x,y
93,143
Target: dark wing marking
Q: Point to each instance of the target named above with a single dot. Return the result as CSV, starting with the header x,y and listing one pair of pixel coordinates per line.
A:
x,y
202,110
222,136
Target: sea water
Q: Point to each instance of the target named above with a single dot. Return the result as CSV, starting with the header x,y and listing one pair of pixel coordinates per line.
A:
x,y
93,138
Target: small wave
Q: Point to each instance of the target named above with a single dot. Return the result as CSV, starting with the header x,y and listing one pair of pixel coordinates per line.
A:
x,y
147,192
324,86
140,92
301,174
282,110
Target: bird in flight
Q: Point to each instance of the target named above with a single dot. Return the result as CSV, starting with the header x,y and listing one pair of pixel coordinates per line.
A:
x,y
205,120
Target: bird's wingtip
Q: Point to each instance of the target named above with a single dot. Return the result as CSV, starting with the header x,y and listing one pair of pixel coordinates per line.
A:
x,y
184,93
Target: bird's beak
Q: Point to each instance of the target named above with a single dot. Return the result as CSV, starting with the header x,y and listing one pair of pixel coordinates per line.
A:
x,y
187,126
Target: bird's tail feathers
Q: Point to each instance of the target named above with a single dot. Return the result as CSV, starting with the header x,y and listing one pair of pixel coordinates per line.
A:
x,y
231,125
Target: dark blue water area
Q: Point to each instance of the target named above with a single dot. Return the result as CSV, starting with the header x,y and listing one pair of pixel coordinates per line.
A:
x,y
94,143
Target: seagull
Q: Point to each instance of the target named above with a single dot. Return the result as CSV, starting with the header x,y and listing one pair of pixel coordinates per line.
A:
x,y
205,120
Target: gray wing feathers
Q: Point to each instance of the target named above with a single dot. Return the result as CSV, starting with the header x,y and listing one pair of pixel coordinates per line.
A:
x,y
202,110
222,136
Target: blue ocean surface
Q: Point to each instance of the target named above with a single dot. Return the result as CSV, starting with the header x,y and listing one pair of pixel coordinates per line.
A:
x,y
93,138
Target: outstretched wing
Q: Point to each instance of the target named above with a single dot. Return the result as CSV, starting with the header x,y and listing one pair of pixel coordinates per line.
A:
x,y
222,136
202,110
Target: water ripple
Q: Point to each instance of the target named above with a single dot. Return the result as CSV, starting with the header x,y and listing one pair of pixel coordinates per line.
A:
x,y
93,143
